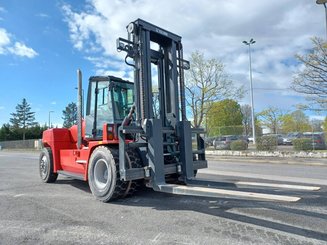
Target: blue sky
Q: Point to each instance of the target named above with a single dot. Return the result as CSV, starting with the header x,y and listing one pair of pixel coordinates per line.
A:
x,y
42,43
47,79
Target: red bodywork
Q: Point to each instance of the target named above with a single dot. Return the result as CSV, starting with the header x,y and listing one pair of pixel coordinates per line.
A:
x,y
66,155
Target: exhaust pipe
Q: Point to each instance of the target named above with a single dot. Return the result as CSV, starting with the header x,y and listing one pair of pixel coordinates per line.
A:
x,y
79,109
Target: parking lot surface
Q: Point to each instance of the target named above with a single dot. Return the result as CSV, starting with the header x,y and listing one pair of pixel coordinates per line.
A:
x,y
65,212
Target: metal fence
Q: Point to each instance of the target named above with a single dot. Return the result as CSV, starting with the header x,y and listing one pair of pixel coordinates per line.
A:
x,y
21,144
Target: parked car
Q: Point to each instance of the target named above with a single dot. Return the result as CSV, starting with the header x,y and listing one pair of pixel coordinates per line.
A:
x,y
245,138
287,140
223,142
209,141
279,138
318,141
250,139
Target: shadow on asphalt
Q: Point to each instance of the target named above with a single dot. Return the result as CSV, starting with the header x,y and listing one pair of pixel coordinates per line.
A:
x,y
220,207
79,184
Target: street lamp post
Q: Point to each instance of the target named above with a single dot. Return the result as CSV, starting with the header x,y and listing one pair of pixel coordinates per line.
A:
x,y
50,118
324,3
251,88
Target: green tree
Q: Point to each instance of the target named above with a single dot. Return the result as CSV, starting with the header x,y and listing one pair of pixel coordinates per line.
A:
x,y
271,118
316,125
6,133
312,79
36,131
70,115
225,113
324,125
258,126
23,118
296,121
288,124
246,119
207,82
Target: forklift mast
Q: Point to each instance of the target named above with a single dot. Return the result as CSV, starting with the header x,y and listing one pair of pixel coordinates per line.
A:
x,y
160,111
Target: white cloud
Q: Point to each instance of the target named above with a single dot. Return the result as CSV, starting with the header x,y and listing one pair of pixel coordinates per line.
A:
x,y
216,28
4,40
2,108
53,102
20,49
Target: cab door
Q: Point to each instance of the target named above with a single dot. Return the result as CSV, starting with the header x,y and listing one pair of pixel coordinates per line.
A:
x,y
99,109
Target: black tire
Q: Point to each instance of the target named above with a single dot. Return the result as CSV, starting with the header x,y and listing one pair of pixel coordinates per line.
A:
x,y
134,160
107,187
46,166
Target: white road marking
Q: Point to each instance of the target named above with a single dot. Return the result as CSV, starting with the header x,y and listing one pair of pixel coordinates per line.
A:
x,y
156,239
296,187
19,195
265,176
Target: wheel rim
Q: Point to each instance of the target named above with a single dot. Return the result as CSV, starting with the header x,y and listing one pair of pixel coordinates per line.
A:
x,y
44,166
102,174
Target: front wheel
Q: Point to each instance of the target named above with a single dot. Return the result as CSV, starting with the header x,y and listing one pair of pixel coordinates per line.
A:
x,y
103,174
46,166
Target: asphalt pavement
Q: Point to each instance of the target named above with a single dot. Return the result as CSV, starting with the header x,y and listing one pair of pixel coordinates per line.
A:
x,y
65,212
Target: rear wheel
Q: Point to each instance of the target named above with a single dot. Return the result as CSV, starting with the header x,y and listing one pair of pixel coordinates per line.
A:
x,y
46,166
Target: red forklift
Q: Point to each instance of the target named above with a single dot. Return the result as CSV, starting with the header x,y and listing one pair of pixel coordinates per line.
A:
x,y
136,133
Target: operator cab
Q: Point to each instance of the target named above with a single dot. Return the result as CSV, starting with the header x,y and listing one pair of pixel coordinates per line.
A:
x,y
109,101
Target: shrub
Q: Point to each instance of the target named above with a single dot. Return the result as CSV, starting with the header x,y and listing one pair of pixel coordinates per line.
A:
x,y
266,143
302,144
238,145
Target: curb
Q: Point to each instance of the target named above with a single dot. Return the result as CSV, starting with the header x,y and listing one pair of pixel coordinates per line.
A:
x,y
278,154
268,160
